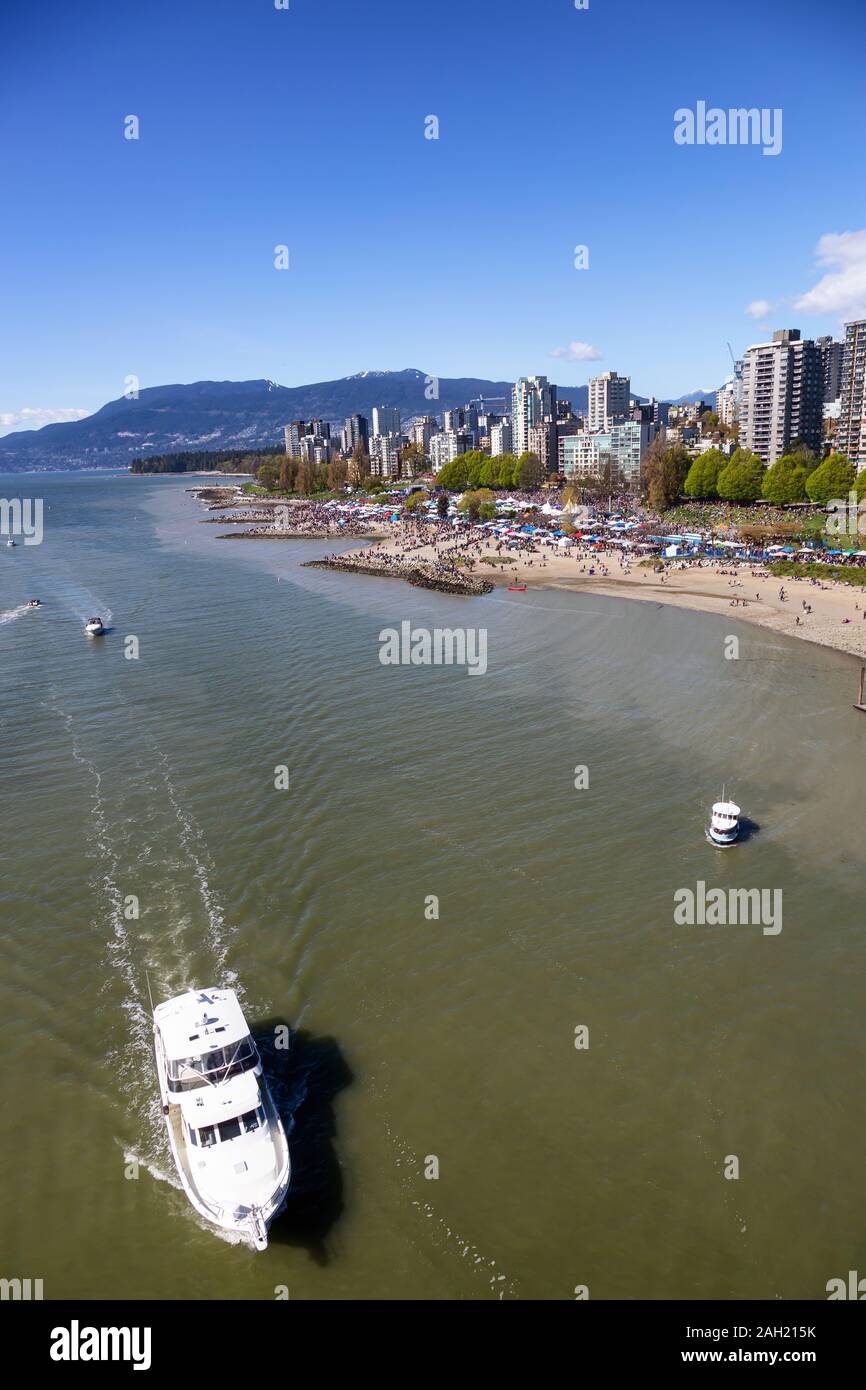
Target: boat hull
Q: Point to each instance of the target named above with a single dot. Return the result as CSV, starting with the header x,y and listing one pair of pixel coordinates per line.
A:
x,y
721,841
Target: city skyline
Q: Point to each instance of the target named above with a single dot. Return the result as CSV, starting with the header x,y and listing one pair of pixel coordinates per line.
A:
x,y
616,248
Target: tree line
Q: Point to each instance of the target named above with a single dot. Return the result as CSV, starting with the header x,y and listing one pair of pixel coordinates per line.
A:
x,y
479,470
202,460
668,473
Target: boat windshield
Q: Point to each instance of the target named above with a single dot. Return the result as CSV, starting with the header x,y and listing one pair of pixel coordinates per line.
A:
x,y
187,1073
210,1135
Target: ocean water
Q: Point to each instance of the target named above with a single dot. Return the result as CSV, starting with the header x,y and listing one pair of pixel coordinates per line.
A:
x,y
418,1037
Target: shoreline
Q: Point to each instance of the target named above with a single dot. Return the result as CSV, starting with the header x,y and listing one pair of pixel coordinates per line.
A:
x,y
821,612
769,615
270,534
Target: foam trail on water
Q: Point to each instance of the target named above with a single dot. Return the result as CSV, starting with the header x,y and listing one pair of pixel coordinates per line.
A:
x,y
193,843
12,613
82,602
105,878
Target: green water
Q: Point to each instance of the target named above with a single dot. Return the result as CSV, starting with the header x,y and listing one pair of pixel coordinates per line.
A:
x,y
414,1037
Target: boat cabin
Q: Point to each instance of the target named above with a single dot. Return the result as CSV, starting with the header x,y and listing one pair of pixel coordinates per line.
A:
x,y
205,1039
214,1117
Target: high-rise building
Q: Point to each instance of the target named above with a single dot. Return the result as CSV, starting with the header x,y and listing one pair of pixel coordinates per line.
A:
x,y
386,419
448,445
783,392
533,400
294,434
385,455
832,355
728,401
500,438
356,431
609,397
583,455
542,443
316,448
422,431
851,433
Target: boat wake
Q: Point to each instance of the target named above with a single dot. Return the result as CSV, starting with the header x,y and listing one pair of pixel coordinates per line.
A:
x,y
117,846
193,843
11,614
438,1231
81,601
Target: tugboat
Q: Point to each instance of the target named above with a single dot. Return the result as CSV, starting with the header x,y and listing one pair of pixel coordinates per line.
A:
x,y
227,1139
93,627
724,824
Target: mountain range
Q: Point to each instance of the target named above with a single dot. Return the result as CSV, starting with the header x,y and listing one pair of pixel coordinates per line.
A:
x,y
213,415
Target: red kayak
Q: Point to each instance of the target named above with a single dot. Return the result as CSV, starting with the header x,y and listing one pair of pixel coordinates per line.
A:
x,y
517,588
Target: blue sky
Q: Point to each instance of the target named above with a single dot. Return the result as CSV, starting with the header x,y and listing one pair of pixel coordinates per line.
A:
x,y
305,127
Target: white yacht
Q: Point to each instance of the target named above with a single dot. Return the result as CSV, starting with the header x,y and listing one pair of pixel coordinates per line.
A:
x,y
227,1139
724,824
93,627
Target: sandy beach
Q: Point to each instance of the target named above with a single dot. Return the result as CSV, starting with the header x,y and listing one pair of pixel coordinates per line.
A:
x,y
711,589
825,612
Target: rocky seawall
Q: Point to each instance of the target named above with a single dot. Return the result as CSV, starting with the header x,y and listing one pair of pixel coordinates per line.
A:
x,y
420,575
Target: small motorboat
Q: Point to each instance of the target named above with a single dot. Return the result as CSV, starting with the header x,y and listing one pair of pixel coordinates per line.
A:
x,y
34,603
226,1136
724,824
93,627
10,541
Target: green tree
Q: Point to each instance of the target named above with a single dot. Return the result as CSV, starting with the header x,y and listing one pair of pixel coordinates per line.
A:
x,y
359,464
288,474
785,482
703,476
741,480
416,500
442,505
454,475
489,475
531,473
267,476
475,461
412,460
832,478
480,505
663,473
509,469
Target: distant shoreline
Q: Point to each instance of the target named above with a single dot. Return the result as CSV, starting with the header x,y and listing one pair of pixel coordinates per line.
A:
x,y
835,619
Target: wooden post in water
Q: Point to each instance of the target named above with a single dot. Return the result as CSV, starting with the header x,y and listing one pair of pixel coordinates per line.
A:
x,y
860,705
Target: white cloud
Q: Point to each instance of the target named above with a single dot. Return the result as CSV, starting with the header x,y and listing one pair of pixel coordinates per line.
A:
x,y
842,290
34,417
578,352
758,309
